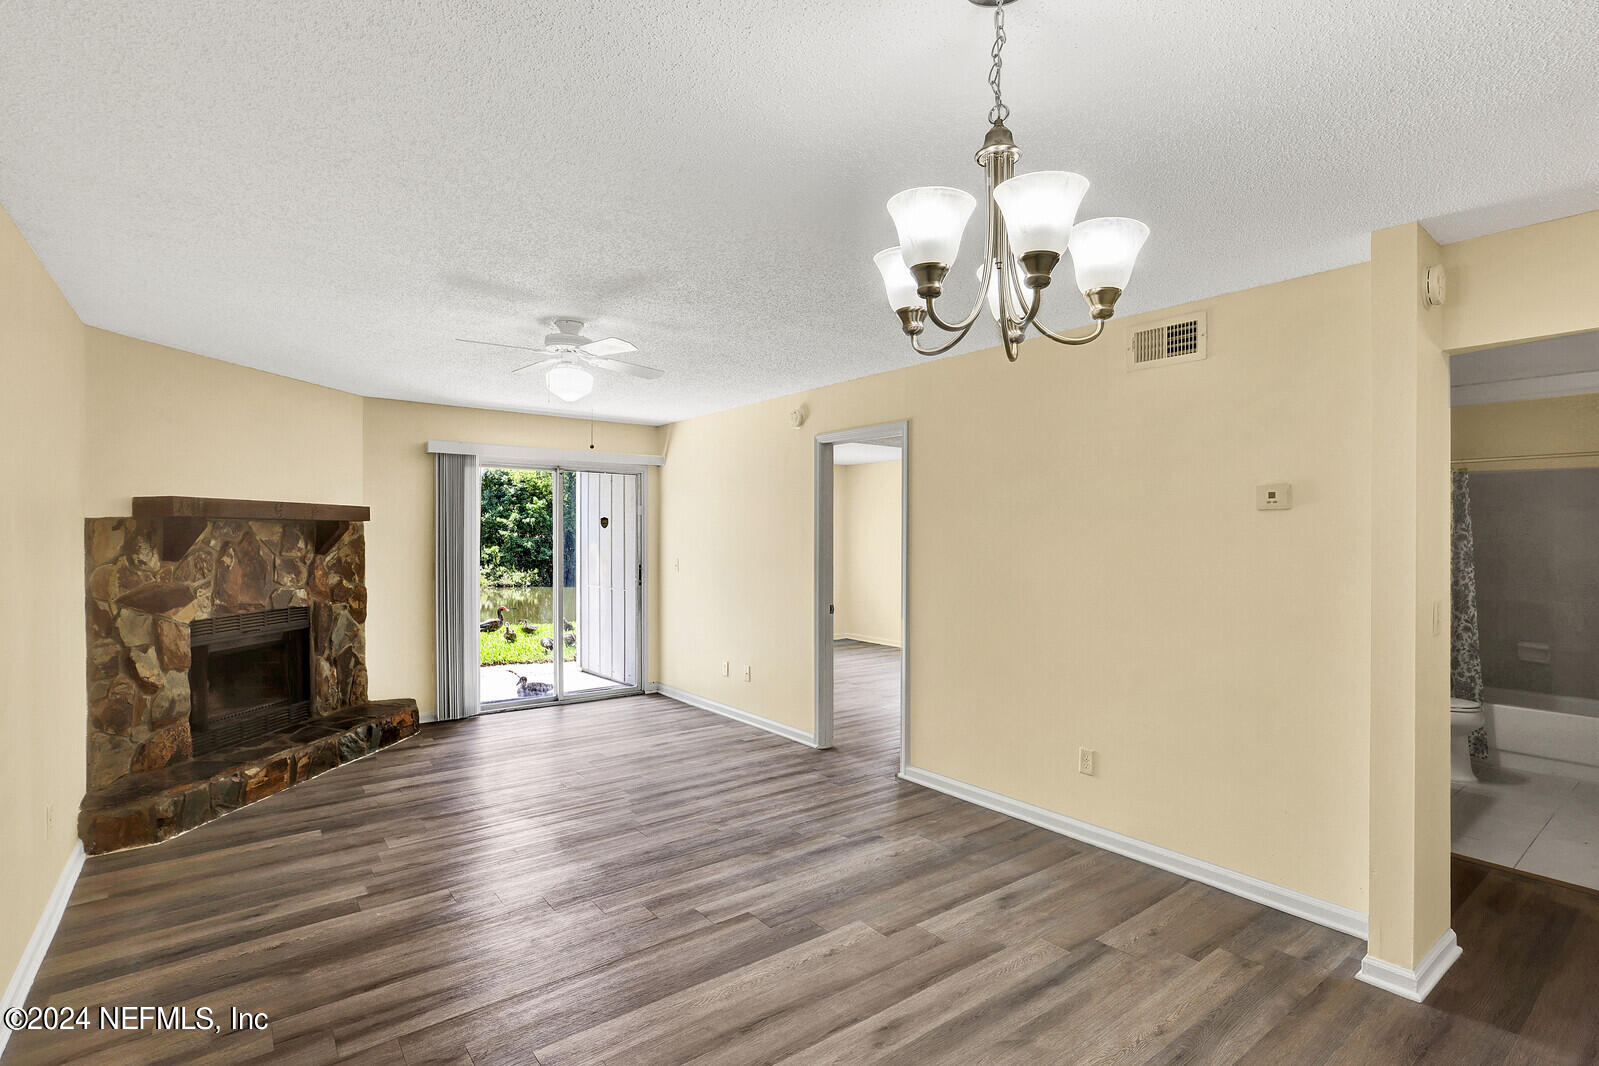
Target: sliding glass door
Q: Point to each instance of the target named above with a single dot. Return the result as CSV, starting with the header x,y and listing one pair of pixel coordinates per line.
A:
x,y
559,579
601,550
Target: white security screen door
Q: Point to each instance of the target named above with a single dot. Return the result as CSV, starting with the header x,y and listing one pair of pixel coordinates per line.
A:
x,y
608,573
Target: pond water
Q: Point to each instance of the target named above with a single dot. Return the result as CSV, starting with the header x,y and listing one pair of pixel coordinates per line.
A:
x,y
530,605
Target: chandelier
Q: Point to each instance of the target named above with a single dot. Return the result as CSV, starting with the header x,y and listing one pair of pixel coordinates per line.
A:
x,y
1030,227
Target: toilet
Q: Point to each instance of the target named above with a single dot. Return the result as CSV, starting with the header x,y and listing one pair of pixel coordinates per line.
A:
x,y
1464,716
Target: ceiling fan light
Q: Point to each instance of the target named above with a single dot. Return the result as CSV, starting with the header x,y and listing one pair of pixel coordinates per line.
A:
x,y
1039,209
930,222
1103,251
898,281
568,382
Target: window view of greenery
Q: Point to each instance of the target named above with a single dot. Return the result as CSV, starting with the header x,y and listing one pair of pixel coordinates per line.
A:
x,y
515,569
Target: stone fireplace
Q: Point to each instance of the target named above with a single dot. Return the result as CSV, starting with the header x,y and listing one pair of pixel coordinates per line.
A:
x,y
227,659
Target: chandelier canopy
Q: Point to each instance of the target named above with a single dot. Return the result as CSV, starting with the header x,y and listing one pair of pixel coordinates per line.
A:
x,y
1031,225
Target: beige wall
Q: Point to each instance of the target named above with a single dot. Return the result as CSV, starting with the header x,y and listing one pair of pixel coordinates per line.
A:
x,y
165,422
866,558
399,540
1546,426
1522,284
41,571
1098,528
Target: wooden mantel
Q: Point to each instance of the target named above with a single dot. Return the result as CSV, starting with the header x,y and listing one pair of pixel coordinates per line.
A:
x,y
210,507
183,518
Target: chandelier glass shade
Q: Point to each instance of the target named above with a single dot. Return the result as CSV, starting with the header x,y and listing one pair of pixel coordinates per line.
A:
x,y
1031,226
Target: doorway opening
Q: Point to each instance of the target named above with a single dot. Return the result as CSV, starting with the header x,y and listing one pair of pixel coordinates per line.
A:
x,y
862,524
1524,707
559,576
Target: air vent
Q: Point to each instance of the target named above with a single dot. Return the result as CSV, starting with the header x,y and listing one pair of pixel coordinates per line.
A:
x,y
1180,340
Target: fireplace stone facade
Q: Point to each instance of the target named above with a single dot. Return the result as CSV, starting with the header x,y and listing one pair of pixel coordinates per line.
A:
x,y
149,579
190,591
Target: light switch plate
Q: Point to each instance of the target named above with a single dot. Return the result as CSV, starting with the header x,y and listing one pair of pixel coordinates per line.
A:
x,y
1277,497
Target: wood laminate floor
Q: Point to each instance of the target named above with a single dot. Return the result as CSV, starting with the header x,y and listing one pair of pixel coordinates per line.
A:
x,y
636,882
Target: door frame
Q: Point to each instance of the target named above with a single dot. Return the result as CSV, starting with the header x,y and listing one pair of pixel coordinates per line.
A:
x,y
822,605
556,467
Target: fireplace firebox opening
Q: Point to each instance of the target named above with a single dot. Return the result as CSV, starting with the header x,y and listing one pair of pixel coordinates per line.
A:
x,y
249,676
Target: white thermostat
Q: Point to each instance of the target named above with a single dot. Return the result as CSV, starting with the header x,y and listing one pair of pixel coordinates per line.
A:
x,y
1278,497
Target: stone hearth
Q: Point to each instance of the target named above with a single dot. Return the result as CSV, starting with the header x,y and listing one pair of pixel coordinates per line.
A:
x,y
234,565
148,807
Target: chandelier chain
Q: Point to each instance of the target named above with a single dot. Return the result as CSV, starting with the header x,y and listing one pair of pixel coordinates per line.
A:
x,y
999,112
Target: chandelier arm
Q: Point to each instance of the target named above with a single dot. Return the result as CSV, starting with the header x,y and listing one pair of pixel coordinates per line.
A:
x,y
1032,312
1099,327
964,324
960,336
990,237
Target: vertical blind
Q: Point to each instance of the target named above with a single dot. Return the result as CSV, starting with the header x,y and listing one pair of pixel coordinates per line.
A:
x,y
455,578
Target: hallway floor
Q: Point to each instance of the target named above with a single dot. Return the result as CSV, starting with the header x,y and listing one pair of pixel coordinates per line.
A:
x,y
866,700
1538,823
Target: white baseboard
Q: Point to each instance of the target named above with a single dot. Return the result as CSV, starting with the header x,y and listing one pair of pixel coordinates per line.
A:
x,y
427,717
863,639
27,966
1412,984
651,687
784,731
1300,905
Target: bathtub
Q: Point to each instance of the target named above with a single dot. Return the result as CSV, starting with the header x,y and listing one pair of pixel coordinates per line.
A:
x,y
1540,733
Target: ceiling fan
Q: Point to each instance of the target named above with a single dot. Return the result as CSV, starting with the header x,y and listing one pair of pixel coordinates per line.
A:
x,y
568,354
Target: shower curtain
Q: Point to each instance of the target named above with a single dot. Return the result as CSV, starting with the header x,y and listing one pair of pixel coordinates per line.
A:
x,y
1465,651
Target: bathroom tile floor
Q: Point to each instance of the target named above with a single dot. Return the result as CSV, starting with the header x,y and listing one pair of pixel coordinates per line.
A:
x,y
1539,823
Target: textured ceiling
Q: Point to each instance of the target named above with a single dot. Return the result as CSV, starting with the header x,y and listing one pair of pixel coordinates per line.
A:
x,y
335,191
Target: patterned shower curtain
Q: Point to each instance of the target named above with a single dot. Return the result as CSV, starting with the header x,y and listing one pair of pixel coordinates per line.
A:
x,y
1465,652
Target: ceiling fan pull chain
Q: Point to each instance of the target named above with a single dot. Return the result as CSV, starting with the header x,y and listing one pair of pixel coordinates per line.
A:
x,y
999,112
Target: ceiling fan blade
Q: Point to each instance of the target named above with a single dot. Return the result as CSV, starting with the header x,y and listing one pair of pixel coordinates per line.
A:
x,y
497,344
540,365
622,366
608,346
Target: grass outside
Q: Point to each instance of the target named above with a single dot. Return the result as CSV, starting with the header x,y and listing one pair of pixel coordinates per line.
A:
x,y
497,651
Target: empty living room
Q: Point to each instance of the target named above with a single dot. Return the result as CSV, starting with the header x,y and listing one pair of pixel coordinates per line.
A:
x,y
955,531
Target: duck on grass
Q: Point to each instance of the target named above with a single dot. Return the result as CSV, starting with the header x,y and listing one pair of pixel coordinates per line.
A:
x,y
531,644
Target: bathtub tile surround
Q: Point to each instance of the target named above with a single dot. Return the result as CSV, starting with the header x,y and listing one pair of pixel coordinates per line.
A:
x,y
1537,569
1539,823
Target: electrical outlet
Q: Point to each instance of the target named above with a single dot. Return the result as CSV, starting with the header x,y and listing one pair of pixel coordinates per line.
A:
x,y
675,563
746,673
726,666
1085,761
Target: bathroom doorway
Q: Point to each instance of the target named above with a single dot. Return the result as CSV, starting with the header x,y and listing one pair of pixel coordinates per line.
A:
x,y
1525,592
